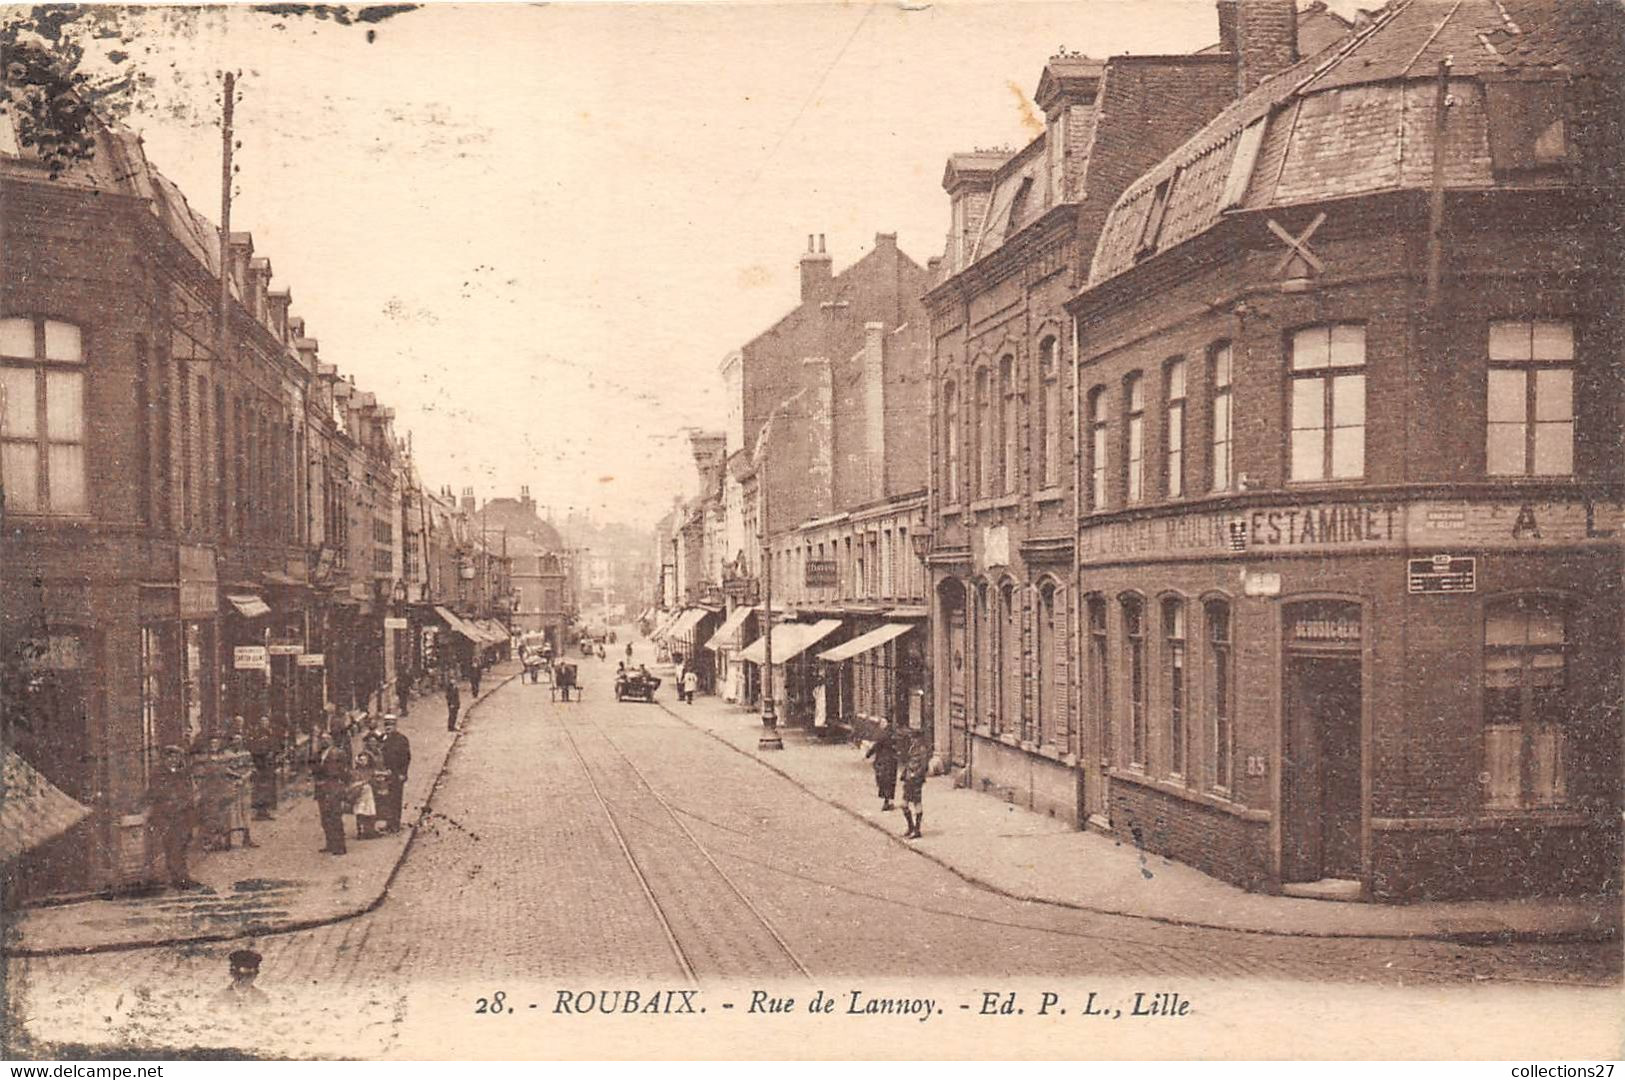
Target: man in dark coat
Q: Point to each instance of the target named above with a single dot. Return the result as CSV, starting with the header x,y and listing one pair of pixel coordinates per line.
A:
x,y
454,701
884,751
263,748
474,674
332,791
174,814
396,750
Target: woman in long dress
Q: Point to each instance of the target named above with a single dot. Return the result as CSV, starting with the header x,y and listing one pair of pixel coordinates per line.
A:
x,y
365,799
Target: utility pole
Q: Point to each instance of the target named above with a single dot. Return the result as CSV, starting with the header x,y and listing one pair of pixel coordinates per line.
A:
x,y
228,102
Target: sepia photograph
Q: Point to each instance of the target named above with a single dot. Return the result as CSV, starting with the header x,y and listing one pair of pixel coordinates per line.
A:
x,y
943,530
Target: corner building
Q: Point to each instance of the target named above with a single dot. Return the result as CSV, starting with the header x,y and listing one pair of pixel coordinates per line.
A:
x,y
1349,388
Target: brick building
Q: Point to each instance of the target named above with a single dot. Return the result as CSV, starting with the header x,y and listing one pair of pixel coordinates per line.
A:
x,y
1350,497
1004,430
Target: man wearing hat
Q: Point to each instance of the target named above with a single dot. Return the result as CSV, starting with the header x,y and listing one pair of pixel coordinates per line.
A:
x,y
174,814
396,751
245,968
332,790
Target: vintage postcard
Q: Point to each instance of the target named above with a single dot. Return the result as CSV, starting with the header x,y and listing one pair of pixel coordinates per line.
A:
x,y
939,530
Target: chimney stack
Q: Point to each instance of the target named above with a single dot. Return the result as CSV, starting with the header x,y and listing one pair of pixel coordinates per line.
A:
x,y
1263,35
468,500
816,273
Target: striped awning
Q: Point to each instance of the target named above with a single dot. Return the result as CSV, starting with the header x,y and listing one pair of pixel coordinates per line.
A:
x,y
789,641
249,605
458,625
34,809
727,635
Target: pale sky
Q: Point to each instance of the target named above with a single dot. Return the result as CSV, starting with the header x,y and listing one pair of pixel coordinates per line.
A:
x,y
535,231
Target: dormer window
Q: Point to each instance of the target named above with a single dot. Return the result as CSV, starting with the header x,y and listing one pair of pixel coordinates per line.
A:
x,y
1527,126
1153,220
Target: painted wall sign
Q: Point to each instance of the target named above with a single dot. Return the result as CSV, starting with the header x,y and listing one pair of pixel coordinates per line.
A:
x,y
250,658
995,546
1355,527
822,574
1442,574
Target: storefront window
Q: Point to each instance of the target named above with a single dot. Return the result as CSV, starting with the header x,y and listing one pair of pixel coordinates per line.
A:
x,y
1220,673
1526,703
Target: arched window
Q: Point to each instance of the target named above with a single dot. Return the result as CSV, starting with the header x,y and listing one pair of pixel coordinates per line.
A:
x,y
1134,663
1134,437
1221,694
1527,708
1044,688
1097,448
1049,414
1174,686
1173,425
1100,692
982,424
950,443
42,416
1009,455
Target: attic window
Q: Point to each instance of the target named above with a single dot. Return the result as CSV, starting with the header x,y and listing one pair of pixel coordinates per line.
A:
x,y
1018,206
1242,165
1527,128
1153,220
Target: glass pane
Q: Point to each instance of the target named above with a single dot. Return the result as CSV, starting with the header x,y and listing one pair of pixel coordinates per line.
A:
x,y
1176,473
1547,781
17,338
1221,466
20,417
1503,748
1308,403
1311,349
1173,619
1348,452
1501,670
1136,396
1509,341
1554,394
1545,628
1348,401
1308,454
64,405
1221,418
1505,626
1348,346
1221,367
1508,395
67,475
62,341
1504,450
1553,341
1176,379
1176,428
19,471
1097,407
1554,449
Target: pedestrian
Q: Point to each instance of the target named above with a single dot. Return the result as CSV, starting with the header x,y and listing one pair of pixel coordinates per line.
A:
x,y
474,674
403,693
691,682
240,768
363,796
682,673
396,754
454,702
884,752
916,763
242,993
264,750
601,650
216,794
332,789
173,802
629,651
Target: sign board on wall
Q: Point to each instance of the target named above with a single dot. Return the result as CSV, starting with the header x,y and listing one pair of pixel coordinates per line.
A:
x,y
312,659
392,622
250,658
822,574
1442,574
290,649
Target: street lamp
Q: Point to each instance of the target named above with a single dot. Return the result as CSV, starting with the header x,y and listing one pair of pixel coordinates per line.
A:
x,y
770,739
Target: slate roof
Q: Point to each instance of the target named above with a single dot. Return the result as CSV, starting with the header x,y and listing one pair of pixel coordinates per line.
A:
x,y
1377,135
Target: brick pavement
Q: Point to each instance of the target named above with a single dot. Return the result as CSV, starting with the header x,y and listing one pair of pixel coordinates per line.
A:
x,y
1029,856
285,883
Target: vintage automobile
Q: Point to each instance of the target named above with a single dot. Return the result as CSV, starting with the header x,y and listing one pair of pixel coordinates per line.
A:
x,y
636,686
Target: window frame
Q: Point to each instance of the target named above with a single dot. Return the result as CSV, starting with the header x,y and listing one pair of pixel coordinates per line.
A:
x,y
1175,412
1099,450
1530,367
1530,726
1221,390
1134,700
1327,375
41,366
1174,623
1134,438
1009,472
1219,691
1049,412
950,439
1097,630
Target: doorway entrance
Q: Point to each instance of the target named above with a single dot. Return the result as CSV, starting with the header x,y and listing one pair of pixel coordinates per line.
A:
x,y
1321,748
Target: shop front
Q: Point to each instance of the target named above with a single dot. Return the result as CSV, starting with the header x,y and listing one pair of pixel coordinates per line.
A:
x,y
799,684
876,678
733,676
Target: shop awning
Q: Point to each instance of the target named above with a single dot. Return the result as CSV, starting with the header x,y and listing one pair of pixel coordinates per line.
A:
x,y
666,624
495,632
249,605
687,623
727,635
790,640
34,809
874,639
458,625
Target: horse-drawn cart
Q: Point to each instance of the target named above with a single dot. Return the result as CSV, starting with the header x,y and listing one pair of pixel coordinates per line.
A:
x,y
564,682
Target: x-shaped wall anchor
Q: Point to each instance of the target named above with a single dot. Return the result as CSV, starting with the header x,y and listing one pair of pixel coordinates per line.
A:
x,y
1297,247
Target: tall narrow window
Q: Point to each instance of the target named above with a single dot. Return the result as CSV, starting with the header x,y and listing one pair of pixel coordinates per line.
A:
x,y
950,443
1044,703
1049,414
983,630
1009,455
1174,684
1009,659
1134,657
1097,448
982,423
1174,429
1220,692
42,417
1328,403
1527,710
1134,438
1531,399
1219,459
1100,687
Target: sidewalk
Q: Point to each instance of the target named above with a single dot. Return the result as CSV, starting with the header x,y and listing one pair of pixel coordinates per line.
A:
x,y
1032,857
284,884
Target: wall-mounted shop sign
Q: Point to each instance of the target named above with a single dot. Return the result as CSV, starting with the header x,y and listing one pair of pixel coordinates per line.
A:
x,y
291,648
1322,624
1328,527
822,574
250,658
312,659
1442,574
392,622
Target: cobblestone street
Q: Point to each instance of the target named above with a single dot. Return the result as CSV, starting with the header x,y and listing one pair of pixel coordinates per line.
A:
x,y
520,867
